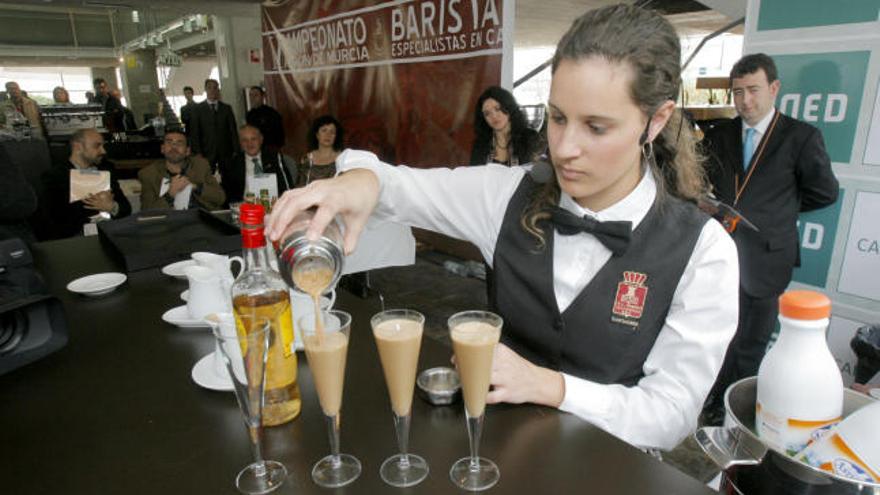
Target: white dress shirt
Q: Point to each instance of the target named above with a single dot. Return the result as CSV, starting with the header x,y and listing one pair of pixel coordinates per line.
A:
x,y
470,202
760,128
181,199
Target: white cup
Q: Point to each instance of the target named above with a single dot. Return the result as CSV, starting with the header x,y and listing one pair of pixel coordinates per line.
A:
x,y
302,304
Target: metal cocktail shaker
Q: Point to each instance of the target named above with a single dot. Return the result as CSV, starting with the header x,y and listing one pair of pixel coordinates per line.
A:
x,y
298,256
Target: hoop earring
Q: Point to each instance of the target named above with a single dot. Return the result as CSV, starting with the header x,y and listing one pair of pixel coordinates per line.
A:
x,y
648,153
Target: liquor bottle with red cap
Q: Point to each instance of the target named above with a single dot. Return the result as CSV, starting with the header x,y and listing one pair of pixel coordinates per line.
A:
x,y
260,291
800,390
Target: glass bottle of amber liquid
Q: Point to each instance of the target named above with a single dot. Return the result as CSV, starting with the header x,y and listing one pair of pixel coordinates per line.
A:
x,y
261,292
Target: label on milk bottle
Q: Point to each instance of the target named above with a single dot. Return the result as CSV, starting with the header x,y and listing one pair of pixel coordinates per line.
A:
x,y
789,435
832,454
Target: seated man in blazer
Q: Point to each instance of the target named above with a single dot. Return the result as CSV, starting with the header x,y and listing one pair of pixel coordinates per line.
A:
x,y
770,167
67,219
237,172
180,181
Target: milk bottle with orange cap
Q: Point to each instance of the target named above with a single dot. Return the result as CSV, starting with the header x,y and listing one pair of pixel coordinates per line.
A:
x,y
800,390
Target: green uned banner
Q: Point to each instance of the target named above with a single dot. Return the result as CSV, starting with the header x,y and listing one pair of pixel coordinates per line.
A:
x,y
825,90
817,231
789,14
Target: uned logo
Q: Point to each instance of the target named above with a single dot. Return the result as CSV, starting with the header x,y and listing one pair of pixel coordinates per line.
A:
x,y
813,235
830,107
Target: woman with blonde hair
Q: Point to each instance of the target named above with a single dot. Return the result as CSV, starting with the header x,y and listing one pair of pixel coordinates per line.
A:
x,y
619,296
60,95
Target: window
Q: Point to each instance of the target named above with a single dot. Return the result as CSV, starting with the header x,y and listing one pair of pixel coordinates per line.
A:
x,y
38,82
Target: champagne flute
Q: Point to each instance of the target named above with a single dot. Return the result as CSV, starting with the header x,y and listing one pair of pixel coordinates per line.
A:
x,y
398,334
326,344
474,336
244,351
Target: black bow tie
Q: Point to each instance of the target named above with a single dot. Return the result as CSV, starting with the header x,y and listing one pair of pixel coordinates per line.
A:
x,y
614,235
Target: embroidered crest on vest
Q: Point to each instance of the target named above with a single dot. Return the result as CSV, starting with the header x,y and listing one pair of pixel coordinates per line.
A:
x,y
630,299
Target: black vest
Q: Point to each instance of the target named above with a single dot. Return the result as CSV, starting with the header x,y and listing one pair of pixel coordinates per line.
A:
x,y
608,330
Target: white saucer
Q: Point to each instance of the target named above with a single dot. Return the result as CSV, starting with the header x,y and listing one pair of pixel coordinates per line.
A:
x,y
184,296
204,375
180,316
176,269
97,284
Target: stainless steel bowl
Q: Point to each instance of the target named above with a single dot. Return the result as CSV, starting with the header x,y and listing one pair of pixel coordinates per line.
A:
x,y
753,468
439,386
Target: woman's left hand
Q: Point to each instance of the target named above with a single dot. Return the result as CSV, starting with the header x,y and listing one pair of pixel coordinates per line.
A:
x,y
516,380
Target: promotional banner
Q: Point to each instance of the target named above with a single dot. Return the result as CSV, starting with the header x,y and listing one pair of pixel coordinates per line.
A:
x,y
828,56
860,274
872,150
775,14
817,230
402,77
825,90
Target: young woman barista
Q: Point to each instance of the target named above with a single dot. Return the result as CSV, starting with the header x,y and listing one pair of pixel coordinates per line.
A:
x,y
619,296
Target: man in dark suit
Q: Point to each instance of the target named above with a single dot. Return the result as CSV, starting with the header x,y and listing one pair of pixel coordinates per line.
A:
x,y
66,218
127,115
266,119
114,115
213,134
238,171
770,167
187,109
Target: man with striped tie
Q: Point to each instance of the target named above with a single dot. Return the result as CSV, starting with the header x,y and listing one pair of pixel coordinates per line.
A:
x,y
770,167
238,172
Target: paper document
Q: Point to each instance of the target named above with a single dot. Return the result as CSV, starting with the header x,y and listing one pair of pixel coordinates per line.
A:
x,y
86,182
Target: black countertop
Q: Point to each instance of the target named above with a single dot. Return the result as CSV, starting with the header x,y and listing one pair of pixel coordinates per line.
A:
x,y
116,411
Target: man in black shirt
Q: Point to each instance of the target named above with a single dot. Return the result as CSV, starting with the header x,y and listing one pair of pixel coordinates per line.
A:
x,y
266,119
114,115
187,110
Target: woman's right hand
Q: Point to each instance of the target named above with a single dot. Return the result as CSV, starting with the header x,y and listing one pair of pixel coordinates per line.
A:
x,y
352,195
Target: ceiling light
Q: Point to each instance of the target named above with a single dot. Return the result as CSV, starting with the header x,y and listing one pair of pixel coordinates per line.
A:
x,y
135,16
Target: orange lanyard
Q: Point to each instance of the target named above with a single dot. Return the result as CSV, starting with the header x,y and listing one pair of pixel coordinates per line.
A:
x,y
739,189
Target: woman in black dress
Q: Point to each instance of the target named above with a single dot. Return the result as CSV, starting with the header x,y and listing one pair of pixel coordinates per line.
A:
x,y
326,138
